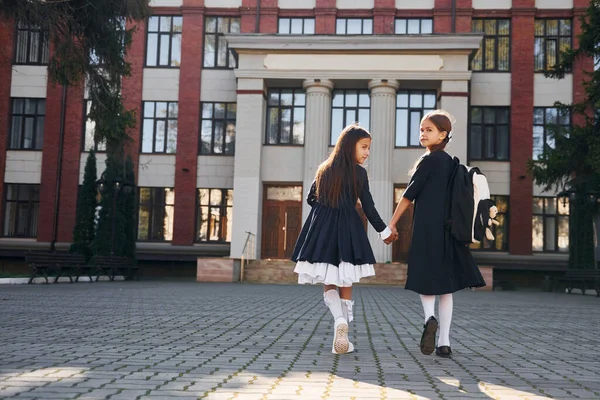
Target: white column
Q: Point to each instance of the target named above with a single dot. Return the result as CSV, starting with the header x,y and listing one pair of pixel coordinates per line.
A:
x,y
455,100
247,184
316,132
383,127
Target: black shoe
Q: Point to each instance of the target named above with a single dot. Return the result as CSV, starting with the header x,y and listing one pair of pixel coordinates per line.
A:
x,y
428,338
443,351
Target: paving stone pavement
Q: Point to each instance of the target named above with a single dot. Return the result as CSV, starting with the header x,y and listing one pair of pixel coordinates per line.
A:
x,y
184,340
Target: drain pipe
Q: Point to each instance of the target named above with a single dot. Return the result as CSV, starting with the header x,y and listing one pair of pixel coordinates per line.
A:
x,y
453,16
257,27
63,108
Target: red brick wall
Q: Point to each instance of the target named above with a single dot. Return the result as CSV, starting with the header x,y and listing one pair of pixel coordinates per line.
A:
x,y
325,12
521,129
54,98
268,16
188,123
581,65
442,16
132,88
384,16
70,165
6,35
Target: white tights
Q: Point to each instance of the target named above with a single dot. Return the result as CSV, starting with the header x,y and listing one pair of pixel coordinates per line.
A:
x,y
445,313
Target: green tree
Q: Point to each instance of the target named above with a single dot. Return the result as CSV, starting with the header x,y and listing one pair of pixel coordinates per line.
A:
x,y
573,163
90,40
83,232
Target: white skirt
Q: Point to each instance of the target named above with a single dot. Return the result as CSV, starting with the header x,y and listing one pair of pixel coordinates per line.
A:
x,y
344,275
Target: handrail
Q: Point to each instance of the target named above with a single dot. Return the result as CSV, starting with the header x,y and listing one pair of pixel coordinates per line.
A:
x,y
248,253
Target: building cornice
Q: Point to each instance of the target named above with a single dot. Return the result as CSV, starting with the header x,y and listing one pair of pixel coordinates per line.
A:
x,y
466,43
366,75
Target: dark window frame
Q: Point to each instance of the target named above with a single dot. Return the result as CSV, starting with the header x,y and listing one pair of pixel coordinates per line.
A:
x,y
43,51
345,108
226,120
483,49
171,33
362,26
99,147
290,20
168,119
152,205
556,216
545,37
422,110
280,110
494,125
232,58
546,126
486,245
23,115
408,20
30,218
223,208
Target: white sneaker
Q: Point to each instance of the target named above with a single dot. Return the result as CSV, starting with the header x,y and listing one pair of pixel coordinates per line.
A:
x,y
350,348
341,344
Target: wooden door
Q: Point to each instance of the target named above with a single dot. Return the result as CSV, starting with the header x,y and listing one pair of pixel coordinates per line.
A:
x,y
401,246
282,221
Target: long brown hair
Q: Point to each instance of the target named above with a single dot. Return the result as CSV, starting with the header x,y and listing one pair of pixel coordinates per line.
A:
x,y
338,173
441,120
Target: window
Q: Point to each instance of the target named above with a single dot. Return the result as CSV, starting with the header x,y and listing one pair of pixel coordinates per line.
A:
x,y
348,107
296,26
494,53
500,232
550,224
32,45
215,212
411,106
217,135
489,134
164,41
21,206
551,37
89,141
155,220
216,49
413,26
354,26
547,123
286,116
27,124
159,133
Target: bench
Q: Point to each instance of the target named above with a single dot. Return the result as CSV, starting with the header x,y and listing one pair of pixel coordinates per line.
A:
x,y
582,279
45,263
115,265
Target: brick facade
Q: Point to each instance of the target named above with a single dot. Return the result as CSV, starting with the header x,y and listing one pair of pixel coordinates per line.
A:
x,y
6,35
189,106
523,14
521,126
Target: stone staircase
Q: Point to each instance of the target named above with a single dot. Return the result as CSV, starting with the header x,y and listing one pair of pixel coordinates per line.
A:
x,y
282,271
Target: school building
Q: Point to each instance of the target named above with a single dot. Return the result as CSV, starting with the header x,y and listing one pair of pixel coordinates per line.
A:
x,y
238,101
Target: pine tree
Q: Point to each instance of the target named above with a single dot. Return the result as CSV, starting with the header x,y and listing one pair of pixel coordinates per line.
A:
x,y
83,232
573,163
103,243
90,41
129,208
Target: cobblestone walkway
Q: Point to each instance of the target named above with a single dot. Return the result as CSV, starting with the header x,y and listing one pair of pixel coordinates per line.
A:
x,y
183,340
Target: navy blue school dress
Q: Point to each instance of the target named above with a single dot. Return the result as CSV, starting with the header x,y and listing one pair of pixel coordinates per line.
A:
x,y
437,264
333,247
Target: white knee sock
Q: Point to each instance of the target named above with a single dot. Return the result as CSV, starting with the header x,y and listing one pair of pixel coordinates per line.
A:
x,y
428,306
445,313
333,301
347,309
